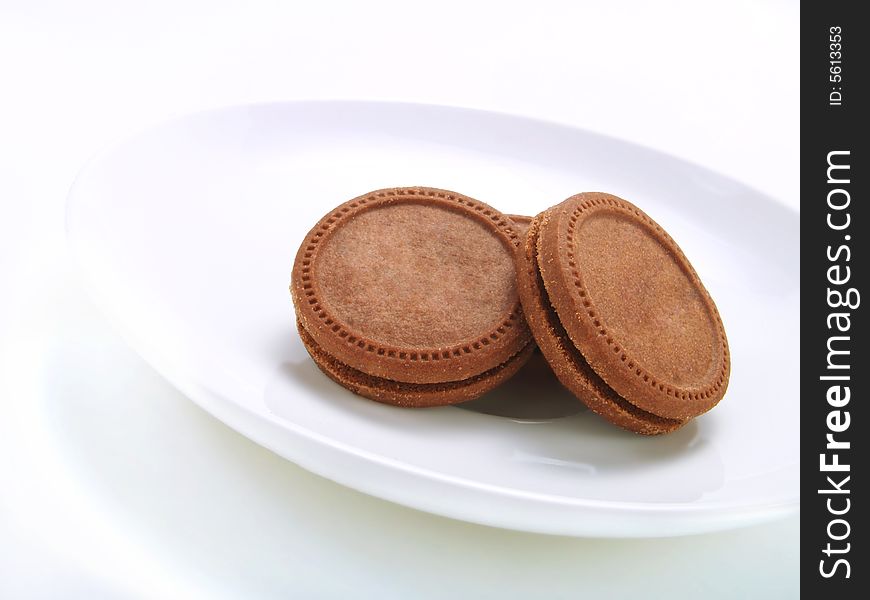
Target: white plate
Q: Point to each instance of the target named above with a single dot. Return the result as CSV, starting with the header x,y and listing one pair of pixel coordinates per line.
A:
x,y
186,234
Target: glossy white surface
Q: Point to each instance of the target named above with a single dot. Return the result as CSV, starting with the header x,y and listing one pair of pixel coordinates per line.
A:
x,y
137,493
114,485
186,234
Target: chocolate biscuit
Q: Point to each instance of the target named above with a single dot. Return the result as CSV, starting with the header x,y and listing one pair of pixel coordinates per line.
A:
x,y
522,223
621,315
410,287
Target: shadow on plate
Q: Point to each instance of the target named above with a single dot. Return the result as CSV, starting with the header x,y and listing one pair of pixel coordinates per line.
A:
x,y
531,420
533,393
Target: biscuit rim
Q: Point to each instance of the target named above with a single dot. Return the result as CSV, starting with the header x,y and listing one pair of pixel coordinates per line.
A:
x,y
567,362
409,364
412,395
624,373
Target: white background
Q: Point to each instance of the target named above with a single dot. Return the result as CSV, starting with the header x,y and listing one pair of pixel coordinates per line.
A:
x,y
113,485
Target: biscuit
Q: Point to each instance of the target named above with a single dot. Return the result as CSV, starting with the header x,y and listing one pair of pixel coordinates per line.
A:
x,y
621,315
408,296
417,395
521,223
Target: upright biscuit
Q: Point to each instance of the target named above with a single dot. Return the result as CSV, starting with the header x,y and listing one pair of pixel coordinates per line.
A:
x,y
612,286
565,359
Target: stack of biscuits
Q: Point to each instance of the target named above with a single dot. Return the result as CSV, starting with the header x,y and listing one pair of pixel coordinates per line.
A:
x,y
423,297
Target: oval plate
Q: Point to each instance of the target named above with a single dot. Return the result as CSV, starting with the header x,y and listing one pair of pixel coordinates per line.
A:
x,y
186,234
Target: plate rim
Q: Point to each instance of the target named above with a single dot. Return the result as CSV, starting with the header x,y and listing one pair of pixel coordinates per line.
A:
x,y
707,517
